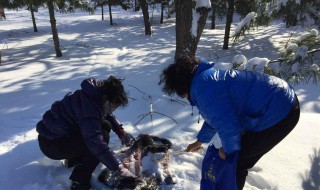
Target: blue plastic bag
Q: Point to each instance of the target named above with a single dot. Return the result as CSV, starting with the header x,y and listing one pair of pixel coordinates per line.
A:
x,y
219,174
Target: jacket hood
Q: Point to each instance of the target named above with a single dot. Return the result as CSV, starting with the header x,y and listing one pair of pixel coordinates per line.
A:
x,y
89,87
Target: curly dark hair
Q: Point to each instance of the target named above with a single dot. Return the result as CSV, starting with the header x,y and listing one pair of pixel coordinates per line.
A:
x,y
113,88
177,76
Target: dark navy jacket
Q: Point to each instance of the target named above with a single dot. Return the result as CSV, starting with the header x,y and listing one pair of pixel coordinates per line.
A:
x,y
233,101
80,112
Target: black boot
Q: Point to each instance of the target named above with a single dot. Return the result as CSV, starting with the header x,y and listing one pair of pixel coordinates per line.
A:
x,y
77,186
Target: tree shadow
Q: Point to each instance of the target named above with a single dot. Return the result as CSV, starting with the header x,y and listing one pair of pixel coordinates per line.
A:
x,y
32,78
26,165
311,179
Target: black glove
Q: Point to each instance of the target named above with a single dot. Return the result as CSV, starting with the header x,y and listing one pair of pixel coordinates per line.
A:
x,y
127,139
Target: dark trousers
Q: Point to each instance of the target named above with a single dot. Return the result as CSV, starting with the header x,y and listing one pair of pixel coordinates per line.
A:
x,y
74,148
71,148
255,145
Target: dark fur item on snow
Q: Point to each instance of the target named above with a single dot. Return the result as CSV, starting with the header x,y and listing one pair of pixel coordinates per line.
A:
x,y
148,143
145,181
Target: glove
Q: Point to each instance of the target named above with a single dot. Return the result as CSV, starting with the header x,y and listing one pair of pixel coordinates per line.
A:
x,y
127,139
124,172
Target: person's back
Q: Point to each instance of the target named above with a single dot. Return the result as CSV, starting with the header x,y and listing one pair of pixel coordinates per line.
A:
x,y
251,112
65,116
258,100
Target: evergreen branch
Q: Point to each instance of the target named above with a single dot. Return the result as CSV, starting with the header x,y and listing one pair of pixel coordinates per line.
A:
x,y
295,69
286,60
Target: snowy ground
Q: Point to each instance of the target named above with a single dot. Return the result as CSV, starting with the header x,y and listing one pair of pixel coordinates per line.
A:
x,y
31,78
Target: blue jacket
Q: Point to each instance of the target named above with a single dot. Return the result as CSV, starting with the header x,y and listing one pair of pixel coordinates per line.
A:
x,y
232,102
80,112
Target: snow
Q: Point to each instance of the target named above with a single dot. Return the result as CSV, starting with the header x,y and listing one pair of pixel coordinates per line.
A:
x,y
314,67
245,22
314,32
195,19
257,64
32,78
196,15
302,51
203,3
292,47
239,59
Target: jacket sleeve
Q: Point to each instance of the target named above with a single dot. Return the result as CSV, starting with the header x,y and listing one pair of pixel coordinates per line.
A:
x,y
91,132
216,108
206,133
116,125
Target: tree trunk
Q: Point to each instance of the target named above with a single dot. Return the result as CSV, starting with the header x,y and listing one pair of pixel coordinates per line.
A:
x,y
102,12
54,28
110,13
214,9
186,42
161,18
2,14
147,24
228,24
35,29
136,6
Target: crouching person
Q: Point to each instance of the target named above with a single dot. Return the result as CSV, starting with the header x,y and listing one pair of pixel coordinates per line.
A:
x,y
77,128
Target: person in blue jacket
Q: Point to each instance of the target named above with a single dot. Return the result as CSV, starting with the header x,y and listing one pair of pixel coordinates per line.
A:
x,y
77,128
250,111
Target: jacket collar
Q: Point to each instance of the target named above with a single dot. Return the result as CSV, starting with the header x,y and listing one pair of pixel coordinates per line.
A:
x,y
203,65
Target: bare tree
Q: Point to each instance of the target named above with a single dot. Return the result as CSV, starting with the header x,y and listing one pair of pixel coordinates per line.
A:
x,y
110,13
188,31
163,4
54,29
2,14
213,10
32,9
228,24
146,18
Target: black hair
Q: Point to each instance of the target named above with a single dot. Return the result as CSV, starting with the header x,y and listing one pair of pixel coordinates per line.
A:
x,y
113,88
178,75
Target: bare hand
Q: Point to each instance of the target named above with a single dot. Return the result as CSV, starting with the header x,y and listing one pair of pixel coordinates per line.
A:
x,y
124,172
194,147
222,154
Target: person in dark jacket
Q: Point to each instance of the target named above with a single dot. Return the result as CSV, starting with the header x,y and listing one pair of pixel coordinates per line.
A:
x,y
250,111
77,128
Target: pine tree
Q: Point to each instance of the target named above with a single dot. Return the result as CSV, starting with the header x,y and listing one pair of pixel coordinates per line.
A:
x,y
299,61
294,12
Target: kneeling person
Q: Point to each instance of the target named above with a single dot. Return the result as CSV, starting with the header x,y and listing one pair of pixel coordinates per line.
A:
x,y
77,128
